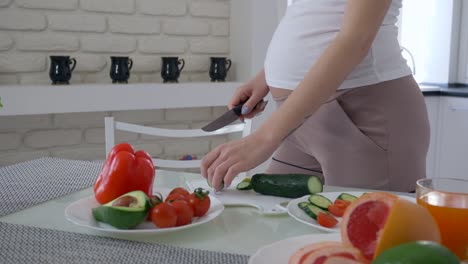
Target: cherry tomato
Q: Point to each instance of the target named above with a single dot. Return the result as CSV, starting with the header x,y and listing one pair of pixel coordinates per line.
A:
x,y
180,190
155,199
164,215
336,210
326,220
200,200
184,212
176,196
342,203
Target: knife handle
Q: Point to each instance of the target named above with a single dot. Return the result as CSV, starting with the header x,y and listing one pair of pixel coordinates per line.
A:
x,y
238,109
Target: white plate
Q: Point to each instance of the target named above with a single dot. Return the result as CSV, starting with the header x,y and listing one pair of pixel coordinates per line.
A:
x,y
79,213
297,213
280,252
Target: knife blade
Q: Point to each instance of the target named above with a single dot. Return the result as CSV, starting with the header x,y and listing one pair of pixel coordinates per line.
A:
x,y
230,116
225,119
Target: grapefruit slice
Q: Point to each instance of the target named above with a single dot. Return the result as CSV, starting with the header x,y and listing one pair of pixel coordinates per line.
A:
x,y
323,254
341,260
378,221
299,256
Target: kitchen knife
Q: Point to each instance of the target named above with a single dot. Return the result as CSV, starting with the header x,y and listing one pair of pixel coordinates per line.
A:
x,y
229,117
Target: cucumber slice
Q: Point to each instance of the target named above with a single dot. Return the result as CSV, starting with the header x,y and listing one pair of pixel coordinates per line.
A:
x,y
302,205
244,185
312,210
320,201
209,184
315,184
347,197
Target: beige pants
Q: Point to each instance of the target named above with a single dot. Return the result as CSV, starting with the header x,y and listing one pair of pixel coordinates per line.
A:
x,y
375,137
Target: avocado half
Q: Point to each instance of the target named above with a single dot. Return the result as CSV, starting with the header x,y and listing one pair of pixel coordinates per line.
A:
x,y
124,212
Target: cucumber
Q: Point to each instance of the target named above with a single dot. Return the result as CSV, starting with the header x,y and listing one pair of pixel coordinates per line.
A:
x,y
312,210
244,185
209,184
302,205
286,185
347,197
320,201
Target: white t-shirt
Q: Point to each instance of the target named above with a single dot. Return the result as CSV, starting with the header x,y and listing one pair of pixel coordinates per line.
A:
x,y
306,30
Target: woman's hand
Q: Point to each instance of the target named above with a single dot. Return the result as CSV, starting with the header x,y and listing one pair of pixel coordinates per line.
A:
x,y
252,94
226,161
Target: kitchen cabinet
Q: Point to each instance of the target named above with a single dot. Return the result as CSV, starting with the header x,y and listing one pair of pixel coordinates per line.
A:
x,y
451,150
432,104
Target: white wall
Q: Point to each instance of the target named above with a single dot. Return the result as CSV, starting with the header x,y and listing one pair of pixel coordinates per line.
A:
x,y
252,26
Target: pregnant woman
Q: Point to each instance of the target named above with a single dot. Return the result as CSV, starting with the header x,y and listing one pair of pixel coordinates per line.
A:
x,y
348,107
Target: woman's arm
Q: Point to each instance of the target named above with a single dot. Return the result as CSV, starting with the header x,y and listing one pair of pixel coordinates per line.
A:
x,y
362,21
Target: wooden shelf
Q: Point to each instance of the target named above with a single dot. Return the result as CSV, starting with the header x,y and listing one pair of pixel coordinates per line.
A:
x,y
47,99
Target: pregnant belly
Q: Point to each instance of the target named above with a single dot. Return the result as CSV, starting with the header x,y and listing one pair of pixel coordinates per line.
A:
x,y
280,93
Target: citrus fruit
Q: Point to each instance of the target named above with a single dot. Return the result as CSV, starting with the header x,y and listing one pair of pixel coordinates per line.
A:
x,y
378,221
323,251
417,252
340,260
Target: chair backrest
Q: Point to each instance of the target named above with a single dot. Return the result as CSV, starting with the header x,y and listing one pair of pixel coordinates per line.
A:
x,y
111,126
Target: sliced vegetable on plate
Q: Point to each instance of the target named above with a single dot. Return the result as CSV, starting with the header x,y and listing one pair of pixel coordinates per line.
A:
x,y
320,201
132,209
125,212
347,197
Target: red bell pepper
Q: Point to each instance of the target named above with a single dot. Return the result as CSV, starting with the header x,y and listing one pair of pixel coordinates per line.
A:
x,y
124,171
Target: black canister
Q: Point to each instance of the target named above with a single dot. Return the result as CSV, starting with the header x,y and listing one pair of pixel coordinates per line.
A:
x,y
60,70
170,70
120,69
219,68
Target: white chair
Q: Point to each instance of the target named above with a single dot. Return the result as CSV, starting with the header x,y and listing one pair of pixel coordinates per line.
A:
x,y
111,126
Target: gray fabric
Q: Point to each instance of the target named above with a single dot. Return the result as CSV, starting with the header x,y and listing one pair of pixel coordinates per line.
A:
x,y
24,244
32,182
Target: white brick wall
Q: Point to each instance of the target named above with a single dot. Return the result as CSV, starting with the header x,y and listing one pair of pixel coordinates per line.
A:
x,y
78,23
22,20
103,44
14,63
210,9
4,3
49,4
47,42
163,45
91,31
187,27
163,7
5,42
109,6
134,25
